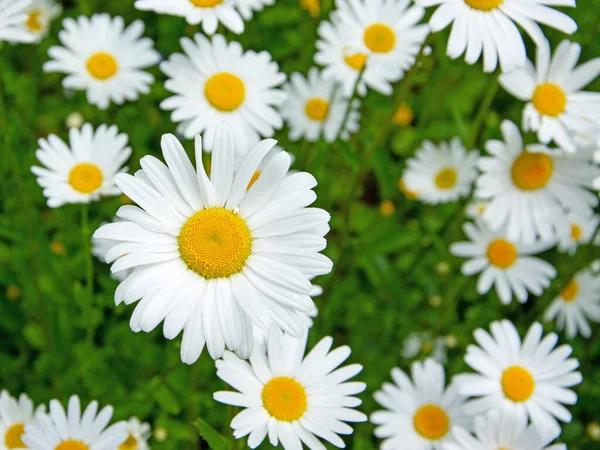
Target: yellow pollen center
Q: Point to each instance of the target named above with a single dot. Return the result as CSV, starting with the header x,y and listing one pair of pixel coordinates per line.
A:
x,y
484,5
549,99
387,208
12,437
576,232
129,444
206,3
356,60
85,178
532,171
446,178
225,91
569,293
517,383
33,21
316,109
404,115
284,398
102,66
380,38
71,444
431,422
502,253
253,179
215,243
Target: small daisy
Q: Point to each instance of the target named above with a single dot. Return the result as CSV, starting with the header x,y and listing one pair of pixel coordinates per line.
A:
x,y
14,416
490,26
423,344
104,58
419,413
40,14
290,397
505,263
85,169
577,302
100,248
217,81
13,15
211,257
530,190
580,231
442,173
475,209
528,379
314,106
138,434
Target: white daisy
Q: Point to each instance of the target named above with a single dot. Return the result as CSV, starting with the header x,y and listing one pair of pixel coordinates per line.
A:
x,y
422,343
419,413
211,257
528,379
293,398
441,173
580,232
100,248
216,81
490,26
557,107
72,430
576,303
14,416
530,190
104,58
40,14
85,169
502,430
503,262
138,434
12,21
315,106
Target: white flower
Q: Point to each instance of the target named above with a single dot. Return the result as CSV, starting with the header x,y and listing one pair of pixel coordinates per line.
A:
x,y
72,430
315,107
577,302
490,27
207,12
12,21
580,231
419,413
100,248
557,107
528,379
85,169
14,416
211,257
40,14
104,58
441,173
138,434
216,81
290,397
530,190
422,343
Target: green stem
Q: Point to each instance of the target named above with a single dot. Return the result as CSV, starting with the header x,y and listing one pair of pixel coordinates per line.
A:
x,y
482,112
350,100
89,270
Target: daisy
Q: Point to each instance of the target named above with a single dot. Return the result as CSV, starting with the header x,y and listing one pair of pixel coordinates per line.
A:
x,y
216,81
14,416
72,430
580,231
576,303
211,257
501,430
422,343
104,58
100,248
293,398
40,14
503,262
314,106
419,413
138,434
13,16
443,173
490,27
528,379
85,169
530,190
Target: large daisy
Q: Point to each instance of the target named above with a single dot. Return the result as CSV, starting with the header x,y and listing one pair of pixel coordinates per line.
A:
x,y
100,248
315,107
503,262
40,14
13,15
138,434
291,397
530,190
529,379
490,27
580,231
85,169
216,81
211,257
419,413
104,58
441,173
15,414
557,107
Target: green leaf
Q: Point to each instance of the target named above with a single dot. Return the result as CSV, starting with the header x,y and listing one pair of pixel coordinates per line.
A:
x,y
215,440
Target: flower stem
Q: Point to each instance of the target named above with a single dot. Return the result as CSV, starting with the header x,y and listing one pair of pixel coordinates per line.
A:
x,y
350,100
482,112
89,270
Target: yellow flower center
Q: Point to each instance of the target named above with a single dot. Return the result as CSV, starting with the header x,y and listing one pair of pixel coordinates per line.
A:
x,y
446,178
71,444
404,115
33,21
380,38
356,60
225,91
502,253
215,243
316,109
253,179
102,66
431,422
85,178
484,5
284,398
532,171
517,383
129,444
549,99
12,437
576,232
206,3
569,293
312,6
